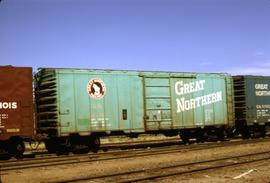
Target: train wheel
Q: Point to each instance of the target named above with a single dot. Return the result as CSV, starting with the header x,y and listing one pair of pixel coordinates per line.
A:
x,y
200,136
62,150
94,144
220,134
78,144
245,132
51,145
79,149
262,130
185,136
16,148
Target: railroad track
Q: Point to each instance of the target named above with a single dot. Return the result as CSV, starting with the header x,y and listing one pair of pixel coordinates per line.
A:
x,y
115,147
151,174
106,147
113,155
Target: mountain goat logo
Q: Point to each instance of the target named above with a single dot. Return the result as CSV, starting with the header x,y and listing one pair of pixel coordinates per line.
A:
x,y
96,88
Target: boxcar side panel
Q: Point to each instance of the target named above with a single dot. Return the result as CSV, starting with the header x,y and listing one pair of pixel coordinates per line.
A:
x,y
199,101
230,102
16,102
257,99
124,103
66,105
136,95
157,101
129,91
110,103
82,104
91,102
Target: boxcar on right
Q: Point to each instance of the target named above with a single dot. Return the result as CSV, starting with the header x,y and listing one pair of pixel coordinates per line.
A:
x,y
252,105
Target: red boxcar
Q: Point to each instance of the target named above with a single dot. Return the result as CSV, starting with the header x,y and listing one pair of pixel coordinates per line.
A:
x,y
16,108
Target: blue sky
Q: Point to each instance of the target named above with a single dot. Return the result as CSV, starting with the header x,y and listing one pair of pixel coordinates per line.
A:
x,y
166,35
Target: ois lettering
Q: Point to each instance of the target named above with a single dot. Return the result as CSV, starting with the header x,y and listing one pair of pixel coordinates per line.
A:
x,y
8,105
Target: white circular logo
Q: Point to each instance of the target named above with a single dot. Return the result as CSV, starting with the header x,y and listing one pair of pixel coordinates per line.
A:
x,y
96,88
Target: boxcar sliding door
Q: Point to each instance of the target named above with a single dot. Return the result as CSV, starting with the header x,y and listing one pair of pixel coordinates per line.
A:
x,y
157,103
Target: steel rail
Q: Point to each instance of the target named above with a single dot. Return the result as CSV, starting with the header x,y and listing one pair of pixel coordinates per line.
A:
x,y
175,169
53,161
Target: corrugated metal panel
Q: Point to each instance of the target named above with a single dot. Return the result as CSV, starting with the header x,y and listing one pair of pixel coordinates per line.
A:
x,y
80,110
90,101
157,100
200,101
230,100
252,96
16,102
46,100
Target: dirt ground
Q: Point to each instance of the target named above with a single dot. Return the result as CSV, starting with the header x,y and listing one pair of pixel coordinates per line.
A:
x,y
258,172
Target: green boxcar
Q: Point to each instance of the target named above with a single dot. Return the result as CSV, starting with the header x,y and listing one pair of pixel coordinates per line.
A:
x,y
187,100
81,101
69,101
252,103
